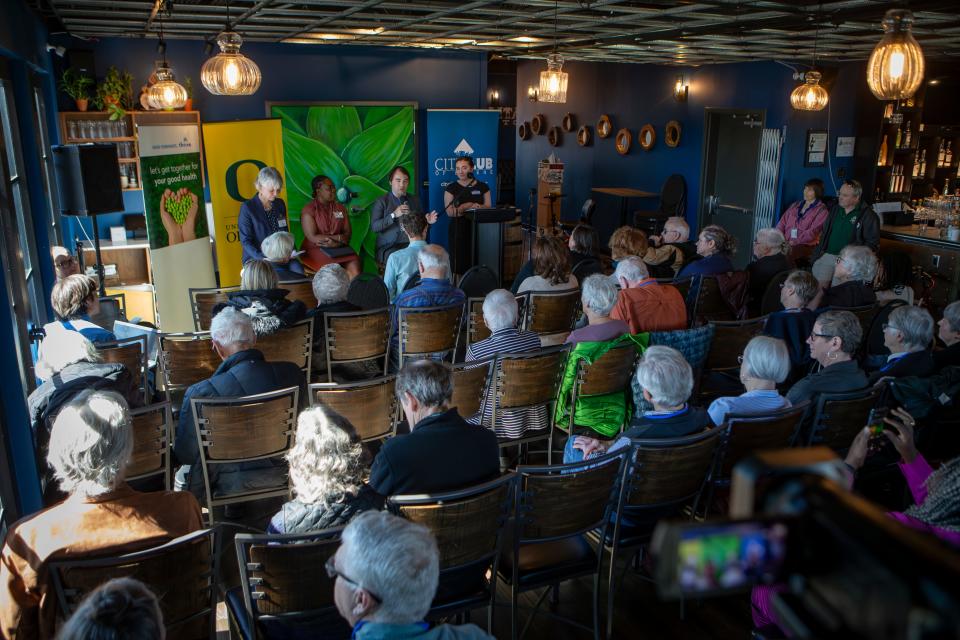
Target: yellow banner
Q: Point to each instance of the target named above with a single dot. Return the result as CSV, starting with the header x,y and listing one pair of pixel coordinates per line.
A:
x,y
235,152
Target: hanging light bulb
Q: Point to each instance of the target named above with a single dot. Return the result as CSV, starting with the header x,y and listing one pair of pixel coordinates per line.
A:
x,y
553,81
895,68
810,96
230,73
166,93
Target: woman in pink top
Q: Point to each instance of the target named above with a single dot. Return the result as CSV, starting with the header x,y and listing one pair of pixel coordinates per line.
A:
x,y
802,222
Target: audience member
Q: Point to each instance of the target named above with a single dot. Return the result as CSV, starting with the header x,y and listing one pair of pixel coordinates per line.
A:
x,y
583,244
90,448
834,340
764,364
851,221
500,314
716,246
387,570
949,332
443,451
330,285
795,322
667,381
261,298
244,371
325,223
803,221
625,242
676,233
643,303
852,279
326,475
122,608
402,263
894,275
551,267
64,263
598,298
770,249
277,249
908,334
69,364
435,288
74,299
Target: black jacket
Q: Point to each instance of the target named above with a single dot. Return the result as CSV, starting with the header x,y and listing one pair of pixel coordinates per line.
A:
x,y
686,422
866,229
442,453
948,357
302,517
853,293
762,271
837,378
269,309
918,363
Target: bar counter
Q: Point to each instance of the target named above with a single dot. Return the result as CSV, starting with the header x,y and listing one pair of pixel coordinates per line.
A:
x,y
937,256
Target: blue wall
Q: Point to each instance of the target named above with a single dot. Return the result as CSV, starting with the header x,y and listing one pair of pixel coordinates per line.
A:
x,y
634,95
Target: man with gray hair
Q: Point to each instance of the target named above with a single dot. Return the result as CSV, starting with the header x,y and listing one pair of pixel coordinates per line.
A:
x,y
598,297
443,451
643,303
949,332
500,313
387,570
856,267
277,249
908,335
244,371
676,234
435,288
851,221
770,249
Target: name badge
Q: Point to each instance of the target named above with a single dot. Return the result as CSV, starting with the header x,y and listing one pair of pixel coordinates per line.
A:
x,y
282,223
793,233
475,192
338,215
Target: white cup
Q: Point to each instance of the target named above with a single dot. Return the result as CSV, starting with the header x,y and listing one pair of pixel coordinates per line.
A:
x,y
124,182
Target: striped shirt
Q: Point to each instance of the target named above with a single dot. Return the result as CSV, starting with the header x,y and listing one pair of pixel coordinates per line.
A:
x,y
510,424
752,402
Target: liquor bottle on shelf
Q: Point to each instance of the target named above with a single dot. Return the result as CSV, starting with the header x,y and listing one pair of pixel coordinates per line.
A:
x,y
898,138
888,111
907,137
892,187
882,158
948,154
941,152
923,163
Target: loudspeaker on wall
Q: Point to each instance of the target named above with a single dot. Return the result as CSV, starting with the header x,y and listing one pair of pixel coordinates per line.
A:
x,y
88,176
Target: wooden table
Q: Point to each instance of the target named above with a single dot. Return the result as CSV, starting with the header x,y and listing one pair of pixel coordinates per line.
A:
x,y
624,193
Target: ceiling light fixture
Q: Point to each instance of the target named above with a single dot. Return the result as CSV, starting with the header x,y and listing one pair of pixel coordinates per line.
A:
x,y
810,96
166,93
895,69
553,81
680,90
230,73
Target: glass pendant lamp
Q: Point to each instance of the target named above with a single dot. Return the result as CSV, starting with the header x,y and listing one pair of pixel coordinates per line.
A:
x,y
230,73
810,96
895,68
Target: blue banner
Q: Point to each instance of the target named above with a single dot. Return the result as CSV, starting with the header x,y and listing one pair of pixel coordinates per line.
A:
x,y
452,134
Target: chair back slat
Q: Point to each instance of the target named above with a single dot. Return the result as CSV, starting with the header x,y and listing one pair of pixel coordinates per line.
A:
x,y
187,358
291,344
747,435
202,302
525,380
610,372
370,406
301,290
292,577
429,329
357,335
151,427
477,330
131,353
667,473
470,383
729,340
840,416
246,427
551,313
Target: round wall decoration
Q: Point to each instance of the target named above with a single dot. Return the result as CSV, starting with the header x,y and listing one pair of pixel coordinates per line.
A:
x,y
524,131
539,124
671,134
648,137
584,136
604,126
554,137
624,139
569,122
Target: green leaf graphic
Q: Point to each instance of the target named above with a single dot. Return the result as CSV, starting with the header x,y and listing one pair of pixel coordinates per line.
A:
x,y
375,115
304,158
378,149
362,237
334,126
291,118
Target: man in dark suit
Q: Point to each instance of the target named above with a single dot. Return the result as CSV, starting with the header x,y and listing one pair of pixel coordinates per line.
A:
x,y
243,372
443,452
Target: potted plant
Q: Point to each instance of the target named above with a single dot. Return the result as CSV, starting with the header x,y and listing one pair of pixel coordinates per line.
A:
x,y
75,84
188,85
115,93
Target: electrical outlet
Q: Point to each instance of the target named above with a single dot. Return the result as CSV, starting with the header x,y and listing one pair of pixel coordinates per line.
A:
x,y
935,259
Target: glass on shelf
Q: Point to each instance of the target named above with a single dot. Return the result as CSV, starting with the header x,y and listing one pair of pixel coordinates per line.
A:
x,y
72,129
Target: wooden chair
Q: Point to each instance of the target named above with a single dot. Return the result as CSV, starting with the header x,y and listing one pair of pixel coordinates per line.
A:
x,y
709,304
555,507
371,406
471,384
476,328
368,291
301,290
682,285
183,573
244,429
552,314
723,360
152,436
202,302
662,477
132,353
356,336
864,315
185,358
112,308
838,417
586,268
284,586
468,525
478,281
423,331
528,380
292,344
610,373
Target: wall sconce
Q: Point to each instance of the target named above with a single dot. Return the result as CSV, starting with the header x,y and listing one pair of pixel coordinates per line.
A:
x,y
680,90
493,99
533,93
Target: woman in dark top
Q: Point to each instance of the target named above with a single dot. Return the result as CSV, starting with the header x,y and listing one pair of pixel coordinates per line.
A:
x,y
262,215
795,322
716,246
261,298
770,249
327,465
907,334
949,332
833,341
466,192
387,210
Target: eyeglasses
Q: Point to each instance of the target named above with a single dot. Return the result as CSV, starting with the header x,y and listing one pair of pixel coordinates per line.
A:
x,y
332,572
822,335
740,359
889,326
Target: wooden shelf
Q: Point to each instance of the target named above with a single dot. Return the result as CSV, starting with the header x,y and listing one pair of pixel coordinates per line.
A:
x,y
84,140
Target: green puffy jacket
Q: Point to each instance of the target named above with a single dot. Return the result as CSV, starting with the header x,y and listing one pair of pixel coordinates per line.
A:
x,y
605,413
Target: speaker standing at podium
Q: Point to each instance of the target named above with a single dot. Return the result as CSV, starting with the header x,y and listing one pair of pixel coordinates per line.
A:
x,y
466,192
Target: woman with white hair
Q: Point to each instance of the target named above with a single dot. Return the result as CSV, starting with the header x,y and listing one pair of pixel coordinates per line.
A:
x,y
666,379
908,334
90,448
263,214
327,467
949,333
277,249
598,297
261,298
770,249
765,363
852,279
69,364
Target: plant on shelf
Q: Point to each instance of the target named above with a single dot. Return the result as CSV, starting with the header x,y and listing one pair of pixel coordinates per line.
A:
x,y
75,84
115,93
188,85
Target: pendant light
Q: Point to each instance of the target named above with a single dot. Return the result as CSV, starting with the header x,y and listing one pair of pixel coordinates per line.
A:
x,y
895,68
230,73
810,96
553,81
166,93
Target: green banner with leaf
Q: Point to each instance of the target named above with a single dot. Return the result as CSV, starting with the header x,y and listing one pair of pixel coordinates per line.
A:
x,y
353,145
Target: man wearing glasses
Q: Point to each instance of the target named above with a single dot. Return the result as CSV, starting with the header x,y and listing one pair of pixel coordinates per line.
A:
x,y
386,573
64,263
851,221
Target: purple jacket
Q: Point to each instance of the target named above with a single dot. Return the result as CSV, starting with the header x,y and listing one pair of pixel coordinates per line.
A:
x,y
808,227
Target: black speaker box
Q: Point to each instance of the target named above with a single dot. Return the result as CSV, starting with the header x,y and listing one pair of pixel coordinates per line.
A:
x,y
88,176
